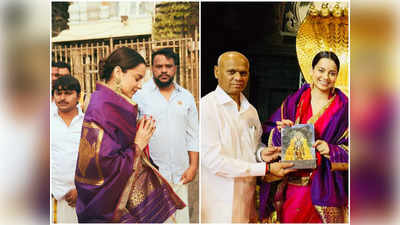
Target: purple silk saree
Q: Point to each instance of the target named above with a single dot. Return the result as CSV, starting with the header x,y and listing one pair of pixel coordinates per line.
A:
x,y
114,179
328,183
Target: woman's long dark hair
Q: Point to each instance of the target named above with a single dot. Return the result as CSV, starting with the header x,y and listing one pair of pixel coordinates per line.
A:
x,y
124,57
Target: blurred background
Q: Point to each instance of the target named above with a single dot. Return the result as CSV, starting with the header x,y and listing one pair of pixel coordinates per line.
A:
x,y
374,115
24,111
25,28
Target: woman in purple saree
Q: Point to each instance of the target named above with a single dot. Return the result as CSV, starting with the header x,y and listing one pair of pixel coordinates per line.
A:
x,y
319,195
114,178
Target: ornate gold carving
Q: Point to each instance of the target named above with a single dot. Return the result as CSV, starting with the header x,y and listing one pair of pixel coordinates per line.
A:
x,y
337,11
324,30
313,11
324,9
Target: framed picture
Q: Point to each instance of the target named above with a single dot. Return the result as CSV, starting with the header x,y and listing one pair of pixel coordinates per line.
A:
x,y
297,142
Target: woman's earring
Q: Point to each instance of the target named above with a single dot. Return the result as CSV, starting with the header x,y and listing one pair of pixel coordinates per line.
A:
x,y
312,85
118,84
332,90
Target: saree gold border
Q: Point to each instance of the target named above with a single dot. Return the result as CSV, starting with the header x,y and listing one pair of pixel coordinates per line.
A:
x,y
315,117
330,214
124,199
272,218
99,181
159,211
269,178
151,202
161,178
128,187
345,147
345,134
118,93
339,166
148,203
299,181
153,168
298,118
270,144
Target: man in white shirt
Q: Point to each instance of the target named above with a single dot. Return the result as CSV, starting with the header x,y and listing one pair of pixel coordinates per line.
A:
x,y
66,125
174,145
232,152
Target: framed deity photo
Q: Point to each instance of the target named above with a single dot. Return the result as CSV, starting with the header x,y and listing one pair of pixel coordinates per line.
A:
x,y
297,142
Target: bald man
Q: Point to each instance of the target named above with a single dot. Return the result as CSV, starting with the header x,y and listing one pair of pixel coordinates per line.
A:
x,y
232,152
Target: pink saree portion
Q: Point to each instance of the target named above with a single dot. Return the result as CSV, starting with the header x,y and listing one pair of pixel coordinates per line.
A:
x,y
298,206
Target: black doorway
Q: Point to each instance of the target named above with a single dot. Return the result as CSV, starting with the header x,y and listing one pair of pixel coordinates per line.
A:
x,y
254,30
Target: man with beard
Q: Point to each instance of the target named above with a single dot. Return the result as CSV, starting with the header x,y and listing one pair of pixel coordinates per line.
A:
x,y
174,145
66,124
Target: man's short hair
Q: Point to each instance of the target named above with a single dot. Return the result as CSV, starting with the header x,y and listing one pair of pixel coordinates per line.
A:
x,y
168,53
61,65
65,83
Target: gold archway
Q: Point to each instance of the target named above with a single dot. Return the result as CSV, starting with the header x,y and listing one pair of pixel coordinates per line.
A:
x,y
325,29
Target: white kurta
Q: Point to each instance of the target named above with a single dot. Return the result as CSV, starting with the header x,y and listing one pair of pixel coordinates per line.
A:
x,y
64,148
229,141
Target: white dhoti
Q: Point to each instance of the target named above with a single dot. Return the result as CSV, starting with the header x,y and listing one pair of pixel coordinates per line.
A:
x,y
64,212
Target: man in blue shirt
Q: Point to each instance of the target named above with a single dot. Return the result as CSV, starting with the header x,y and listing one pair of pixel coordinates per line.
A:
x,y
174,145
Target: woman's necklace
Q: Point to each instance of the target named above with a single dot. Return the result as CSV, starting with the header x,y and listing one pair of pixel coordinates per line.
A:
x,y
318,107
